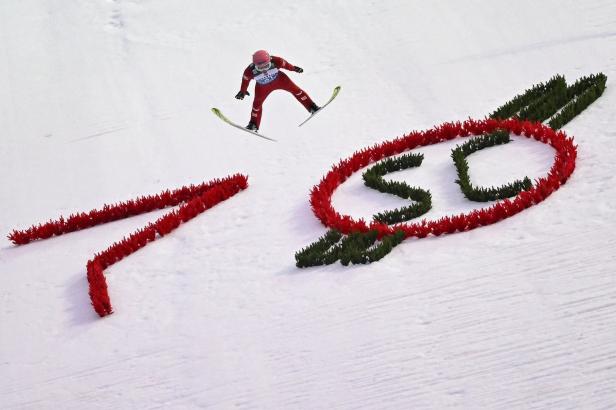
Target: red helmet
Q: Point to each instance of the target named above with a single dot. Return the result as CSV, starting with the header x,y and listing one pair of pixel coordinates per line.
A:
x,y
261,60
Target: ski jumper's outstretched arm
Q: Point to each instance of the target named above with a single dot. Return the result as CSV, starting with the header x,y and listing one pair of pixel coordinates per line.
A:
x,y
246,78
282,63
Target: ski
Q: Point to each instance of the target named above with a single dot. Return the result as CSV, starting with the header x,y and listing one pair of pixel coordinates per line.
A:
x,y
220,115
334,94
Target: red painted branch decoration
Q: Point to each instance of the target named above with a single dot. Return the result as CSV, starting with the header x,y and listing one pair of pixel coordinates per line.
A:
x,y
195,199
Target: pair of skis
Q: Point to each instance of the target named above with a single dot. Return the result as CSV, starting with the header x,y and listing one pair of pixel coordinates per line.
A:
x,y
220,115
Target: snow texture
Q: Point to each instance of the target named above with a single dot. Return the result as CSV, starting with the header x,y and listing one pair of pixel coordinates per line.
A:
x,y
105,100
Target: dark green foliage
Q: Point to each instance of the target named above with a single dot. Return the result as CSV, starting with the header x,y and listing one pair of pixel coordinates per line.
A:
x,y
323,252
478,194
407,213
373,178
356,248
544,101
514,106
585,91
498,137
381,250
547,104
584,83
396,164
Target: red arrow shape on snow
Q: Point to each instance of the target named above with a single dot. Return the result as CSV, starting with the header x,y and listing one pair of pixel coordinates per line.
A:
x,y
195,199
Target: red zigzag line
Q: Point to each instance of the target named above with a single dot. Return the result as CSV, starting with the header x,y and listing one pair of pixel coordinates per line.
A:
x,y
195,199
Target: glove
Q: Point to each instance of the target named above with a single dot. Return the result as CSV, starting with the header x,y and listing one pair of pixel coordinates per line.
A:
x,y
298,69
241,95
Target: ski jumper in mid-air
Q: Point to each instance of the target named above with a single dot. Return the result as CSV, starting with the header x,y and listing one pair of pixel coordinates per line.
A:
x,y
265,70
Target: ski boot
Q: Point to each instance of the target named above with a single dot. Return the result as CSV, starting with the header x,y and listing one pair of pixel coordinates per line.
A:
x,y
313,108
252,127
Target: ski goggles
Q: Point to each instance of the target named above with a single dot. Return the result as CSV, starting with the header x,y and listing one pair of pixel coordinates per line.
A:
x,y
263,66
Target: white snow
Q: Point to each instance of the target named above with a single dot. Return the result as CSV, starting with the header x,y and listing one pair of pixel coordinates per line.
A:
x,y
104,100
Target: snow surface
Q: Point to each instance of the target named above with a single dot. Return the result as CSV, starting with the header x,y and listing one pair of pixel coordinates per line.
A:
x,y
105,100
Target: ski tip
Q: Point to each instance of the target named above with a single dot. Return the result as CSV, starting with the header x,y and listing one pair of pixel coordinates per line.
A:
x,y
219,114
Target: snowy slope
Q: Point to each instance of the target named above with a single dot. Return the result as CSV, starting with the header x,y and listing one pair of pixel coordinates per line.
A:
x,y
104,100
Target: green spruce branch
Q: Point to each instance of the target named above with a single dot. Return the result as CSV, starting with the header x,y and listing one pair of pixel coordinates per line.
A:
x,y
373,178
356,248
480,194
554,100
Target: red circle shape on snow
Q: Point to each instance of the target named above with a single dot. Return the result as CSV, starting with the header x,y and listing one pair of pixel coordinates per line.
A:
x,y
562,168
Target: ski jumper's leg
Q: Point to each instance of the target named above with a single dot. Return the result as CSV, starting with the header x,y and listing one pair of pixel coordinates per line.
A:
x,y
261,93
285,83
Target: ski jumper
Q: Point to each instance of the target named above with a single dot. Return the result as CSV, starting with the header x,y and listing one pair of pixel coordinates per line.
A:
x,y
268,81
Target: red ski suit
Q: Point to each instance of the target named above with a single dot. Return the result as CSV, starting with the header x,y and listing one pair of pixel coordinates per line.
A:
x,y
268,81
